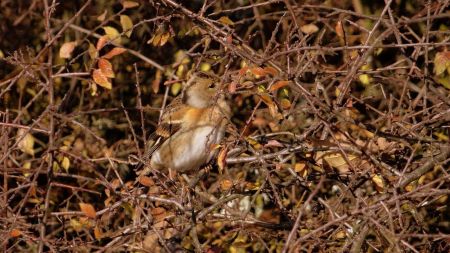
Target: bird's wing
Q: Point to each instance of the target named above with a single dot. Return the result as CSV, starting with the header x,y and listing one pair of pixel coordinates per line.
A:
x,y
170,123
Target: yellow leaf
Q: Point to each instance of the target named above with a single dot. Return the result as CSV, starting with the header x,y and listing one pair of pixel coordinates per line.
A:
x,y
441,62
155,40
66,49
114,52
164,38
299,167
285,104
65,163
76,225
226,21
26,143
93,53
98,233
88,210
175,88
379,182
364,79
127,24
309,28
444,81
129,4
106,67
101,79
205,67
112,34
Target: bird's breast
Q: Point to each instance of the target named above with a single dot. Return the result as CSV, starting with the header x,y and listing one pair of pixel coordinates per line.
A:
x,y
188,149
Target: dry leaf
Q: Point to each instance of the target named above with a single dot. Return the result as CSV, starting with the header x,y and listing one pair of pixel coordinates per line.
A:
x,y
221,159
101,79
98,233
243,71
273,143
270,71
226,184
164,38
278,85
93,53
379,182
299,167
114,52
157,82
129,4
336,160
339,29
258,72
232,87
146,181
106,67
88,210
66,49
285,104
102,17
226,20
65,163
101,42
26,143
309,28
15,233
441,62
112,34
127,24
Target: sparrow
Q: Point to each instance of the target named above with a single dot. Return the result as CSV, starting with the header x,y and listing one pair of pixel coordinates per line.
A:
x,y
190,127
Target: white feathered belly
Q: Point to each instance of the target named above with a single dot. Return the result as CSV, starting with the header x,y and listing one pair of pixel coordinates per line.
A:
x,y
188,149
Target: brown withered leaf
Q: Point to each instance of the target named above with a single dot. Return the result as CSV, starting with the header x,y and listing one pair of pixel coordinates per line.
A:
x,y
102,17
88,210
156,83
339,29
226,184
101,42
129,4
278,85
114,52
106,67
66,49
309,28
146,181
15,233
271,71
258,72
221,159
101,79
